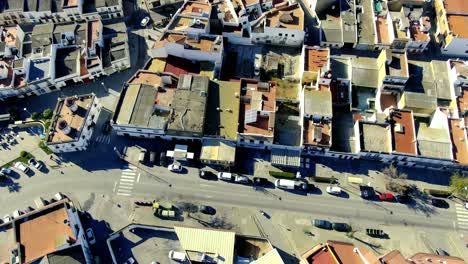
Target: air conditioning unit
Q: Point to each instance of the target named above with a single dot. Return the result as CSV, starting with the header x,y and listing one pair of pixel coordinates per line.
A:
x,y
399,128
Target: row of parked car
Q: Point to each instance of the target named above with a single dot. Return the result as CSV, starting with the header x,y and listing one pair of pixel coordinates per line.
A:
x,y
21,167
40,202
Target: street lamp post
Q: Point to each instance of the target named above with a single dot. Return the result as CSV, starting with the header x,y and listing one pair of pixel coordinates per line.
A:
x,y
105,88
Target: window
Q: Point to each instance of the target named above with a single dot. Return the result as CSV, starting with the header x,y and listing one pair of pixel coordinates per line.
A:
x,y
285,35
139,130
261,142
292,35
252,141
72,144
241,140
280,34
466,51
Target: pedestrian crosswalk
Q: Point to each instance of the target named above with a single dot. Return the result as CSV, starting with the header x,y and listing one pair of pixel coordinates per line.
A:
x,y
462,217
105,139
125,185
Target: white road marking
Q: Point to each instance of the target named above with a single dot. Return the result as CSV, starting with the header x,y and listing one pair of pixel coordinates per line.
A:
x,y
115,185
126,180
128,172
124,190
126,183
132,166
462,219
127,177
138,179
125,187
123,194
209,196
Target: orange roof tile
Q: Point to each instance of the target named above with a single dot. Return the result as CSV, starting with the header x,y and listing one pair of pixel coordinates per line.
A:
x,y
316,58
382,30
45,234
456,6
457,25
459,140
404,136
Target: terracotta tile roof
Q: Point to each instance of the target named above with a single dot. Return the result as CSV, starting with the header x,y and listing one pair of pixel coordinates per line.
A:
x,y
42,235
417,33
459,140
457,25
316,58
291,17
456,6
195,8
317,134
382,30
404,134
426,258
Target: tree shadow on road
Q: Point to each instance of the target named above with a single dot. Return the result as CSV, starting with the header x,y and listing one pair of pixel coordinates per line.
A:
x,y
11,185
421,202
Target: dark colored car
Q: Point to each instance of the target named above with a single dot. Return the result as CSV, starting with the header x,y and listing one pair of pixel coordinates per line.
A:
x,y
403,198
439,203
106,128
341,227
162,159
207,210
322,224
258,181
367,192
441,252
204,174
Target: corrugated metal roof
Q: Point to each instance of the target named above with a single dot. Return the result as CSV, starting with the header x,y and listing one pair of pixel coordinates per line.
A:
x,y
128,104
208,241
286,157
272,257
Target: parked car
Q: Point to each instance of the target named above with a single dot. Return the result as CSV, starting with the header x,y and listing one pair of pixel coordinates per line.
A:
x,y
334,190
162,159
130,260
7,218
152,157
37,164
175,167
59,196
204,174
207,210
241,179
141,156
386,197
225,176
322,224
90,236
258,181
16,214
403,198
177,256
441,252
285,184
367,192
6,171
22,167
144,22
341,227
106,128
439,203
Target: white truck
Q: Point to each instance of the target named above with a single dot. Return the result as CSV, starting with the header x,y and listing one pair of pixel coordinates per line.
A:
x,y
285,184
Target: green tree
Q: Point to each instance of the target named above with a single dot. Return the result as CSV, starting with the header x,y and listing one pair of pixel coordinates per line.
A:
x,y
459,185
23,154
35,116
47,113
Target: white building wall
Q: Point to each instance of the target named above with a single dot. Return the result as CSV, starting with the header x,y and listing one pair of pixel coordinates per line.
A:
x,y
279,36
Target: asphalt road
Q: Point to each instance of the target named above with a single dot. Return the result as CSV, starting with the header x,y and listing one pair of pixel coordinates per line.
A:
x,y
188,187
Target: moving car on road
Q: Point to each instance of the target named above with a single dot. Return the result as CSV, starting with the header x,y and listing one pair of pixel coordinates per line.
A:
x,y
322,224
22,167
37,164
334,190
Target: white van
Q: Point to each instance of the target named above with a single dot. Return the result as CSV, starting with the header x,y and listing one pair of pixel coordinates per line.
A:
x,y
258,63
285,184
225,176
177,256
